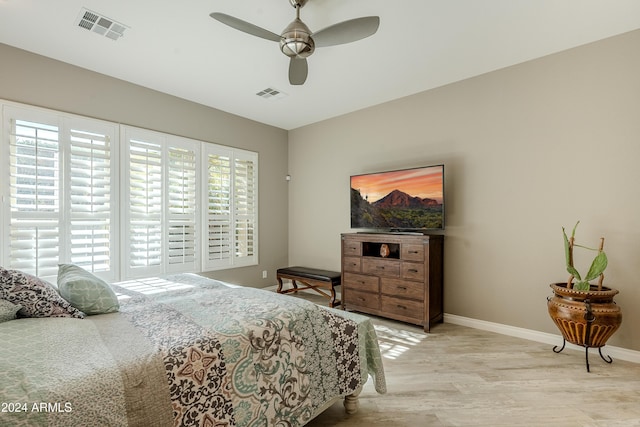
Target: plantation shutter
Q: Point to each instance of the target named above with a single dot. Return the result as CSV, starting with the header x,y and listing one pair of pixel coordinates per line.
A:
x,y
60,193
182,209
162,202
91,197
144,206
245,208
219,209
119,201
231,211
34,192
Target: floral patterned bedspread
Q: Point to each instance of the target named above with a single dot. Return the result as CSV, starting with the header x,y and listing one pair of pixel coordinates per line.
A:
x,y
186,351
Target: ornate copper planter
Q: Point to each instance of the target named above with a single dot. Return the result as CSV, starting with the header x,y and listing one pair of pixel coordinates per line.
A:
x,y
585,318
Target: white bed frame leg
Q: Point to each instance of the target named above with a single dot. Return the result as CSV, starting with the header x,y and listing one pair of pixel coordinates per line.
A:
x,y
351,402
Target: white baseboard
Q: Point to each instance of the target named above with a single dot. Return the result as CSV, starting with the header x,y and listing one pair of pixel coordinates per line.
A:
x,y
543,337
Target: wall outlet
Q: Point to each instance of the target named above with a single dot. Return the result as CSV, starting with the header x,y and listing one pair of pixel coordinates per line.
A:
x,y
264,274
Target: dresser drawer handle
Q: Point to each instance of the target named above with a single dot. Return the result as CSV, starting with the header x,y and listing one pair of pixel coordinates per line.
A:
x,y
414,252
402,307
402,288
413,270
380,267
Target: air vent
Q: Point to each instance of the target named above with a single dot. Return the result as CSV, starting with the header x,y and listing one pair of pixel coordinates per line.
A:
x,y
100,24
271,93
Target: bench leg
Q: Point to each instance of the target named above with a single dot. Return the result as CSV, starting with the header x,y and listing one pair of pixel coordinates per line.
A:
x,y
314,286
332,301
293,284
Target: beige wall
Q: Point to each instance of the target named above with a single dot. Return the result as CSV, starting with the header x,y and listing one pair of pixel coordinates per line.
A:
x,y
35,80
527,150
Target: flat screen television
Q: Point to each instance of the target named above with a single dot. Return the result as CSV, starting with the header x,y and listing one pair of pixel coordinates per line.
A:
x,y
399,200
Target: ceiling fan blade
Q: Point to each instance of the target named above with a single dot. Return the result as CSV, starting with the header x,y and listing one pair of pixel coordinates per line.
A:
x,y
244,26
346,31
298,70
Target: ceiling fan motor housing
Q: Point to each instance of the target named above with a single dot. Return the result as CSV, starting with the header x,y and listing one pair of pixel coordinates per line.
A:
x,y
296,41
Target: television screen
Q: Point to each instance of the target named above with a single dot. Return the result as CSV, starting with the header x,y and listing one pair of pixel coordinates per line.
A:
x,y
408,199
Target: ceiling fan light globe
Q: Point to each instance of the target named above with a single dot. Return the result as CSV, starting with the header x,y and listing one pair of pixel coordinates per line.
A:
x,y
296,40
297,47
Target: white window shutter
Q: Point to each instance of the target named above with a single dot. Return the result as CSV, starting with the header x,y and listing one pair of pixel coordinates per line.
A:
x,y
231,211
245,209
144,205
218,213
60,187
119,201
34,193
182,209
91,200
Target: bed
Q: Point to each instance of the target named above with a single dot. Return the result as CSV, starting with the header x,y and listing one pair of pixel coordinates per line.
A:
x,y
185,350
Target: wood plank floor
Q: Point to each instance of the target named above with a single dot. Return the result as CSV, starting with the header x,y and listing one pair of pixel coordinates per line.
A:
x,y
459,376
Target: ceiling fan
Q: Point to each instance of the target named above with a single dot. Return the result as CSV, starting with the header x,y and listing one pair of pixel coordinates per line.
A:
x,y
297,41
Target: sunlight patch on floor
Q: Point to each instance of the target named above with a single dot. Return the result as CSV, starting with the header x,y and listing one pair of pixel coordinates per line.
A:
x,y
395,342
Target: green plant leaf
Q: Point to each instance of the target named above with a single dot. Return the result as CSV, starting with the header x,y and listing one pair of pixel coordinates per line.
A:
x,y
597,266
582,286
574,272
566,247
567,254
573,233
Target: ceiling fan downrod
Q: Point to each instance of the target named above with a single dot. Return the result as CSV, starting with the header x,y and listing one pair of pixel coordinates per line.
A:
x,y
298,3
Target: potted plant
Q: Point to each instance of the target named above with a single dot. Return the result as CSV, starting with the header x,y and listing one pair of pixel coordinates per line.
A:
x,y
584,312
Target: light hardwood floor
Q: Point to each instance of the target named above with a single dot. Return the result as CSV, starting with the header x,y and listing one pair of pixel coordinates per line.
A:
x,y
459,376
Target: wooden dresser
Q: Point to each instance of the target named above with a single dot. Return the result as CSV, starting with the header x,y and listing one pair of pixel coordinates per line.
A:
x,y
394,275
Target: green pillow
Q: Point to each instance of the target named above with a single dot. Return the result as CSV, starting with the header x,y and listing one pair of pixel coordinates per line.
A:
x,y
86,292
8,310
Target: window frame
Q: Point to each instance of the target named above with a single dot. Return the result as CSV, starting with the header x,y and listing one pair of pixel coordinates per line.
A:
x,y
121,192
233,260
62,215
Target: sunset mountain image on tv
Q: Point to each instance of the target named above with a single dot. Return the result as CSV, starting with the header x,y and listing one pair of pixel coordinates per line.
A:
x,y
408,199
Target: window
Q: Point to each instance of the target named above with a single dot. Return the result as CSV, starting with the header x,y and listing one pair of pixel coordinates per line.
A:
x,y
232,210
90,200
60,193
158,204
161,199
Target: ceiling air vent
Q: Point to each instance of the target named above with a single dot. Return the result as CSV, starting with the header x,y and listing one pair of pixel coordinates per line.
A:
x,y
100,24
271,93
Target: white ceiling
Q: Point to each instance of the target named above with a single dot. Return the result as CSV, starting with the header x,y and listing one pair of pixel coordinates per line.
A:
x,y
176,48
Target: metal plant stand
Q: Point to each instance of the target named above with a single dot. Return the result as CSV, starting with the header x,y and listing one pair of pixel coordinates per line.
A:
x,y
589,317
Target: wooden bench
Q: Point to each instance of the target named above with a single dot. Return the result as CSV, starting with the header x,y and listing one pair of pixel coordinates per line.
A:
x,y
313,279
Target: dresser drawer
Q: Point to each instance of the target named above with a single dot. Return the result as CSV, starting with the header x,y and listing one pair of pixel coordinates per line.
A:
x,y
413,271
352,263
361,299
361,282
403,307
402,288
381,267
412,253
351,248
